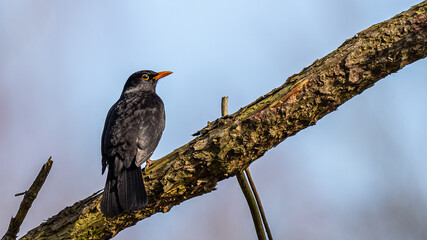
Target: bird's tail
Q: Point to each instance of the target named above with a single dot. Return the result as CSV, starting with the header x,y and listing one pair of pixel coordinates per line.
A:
x,y
125,192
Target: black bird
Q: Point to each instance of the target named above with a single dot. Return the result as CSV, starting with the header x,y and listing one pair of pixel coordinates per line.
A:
x,y
132,131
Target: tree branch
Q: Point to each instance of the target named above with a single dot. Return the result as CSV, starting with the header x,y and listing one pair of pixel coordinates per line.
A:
x,y
231,143
27,201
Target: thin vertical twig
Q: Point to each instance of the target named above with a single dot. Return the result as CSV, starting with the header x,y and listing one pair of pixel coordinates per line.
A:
x,y
258,200
246,189
29,197
252,205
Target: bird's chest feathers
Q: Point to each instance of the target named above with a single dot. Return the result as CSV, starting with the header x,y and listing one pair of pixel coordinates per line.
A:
x,y
135,111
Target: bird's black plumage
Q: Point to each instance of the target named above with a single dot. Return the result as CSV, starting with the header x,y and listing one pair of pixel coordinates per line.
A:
x,y
132,131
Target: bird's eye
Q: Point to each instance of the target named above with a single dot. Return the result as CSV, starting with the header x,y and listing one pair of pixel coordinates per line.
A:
x,y
145,76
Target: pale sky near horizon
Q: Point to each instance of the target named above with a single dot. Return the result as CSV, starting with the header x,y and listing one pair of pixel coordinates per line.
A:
x,y
359,173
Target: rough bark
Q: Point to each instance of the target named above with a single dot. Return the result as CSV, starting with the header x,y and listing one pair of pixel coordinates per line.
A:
x,y
231,143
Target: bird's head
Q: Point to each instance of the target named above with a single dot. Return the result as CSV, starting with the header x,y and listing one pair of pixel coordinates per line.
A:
x,y
143,81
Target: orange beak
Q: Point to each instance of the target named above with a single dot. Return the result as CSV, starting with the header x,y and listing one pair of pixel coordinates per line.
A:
x,y
161,75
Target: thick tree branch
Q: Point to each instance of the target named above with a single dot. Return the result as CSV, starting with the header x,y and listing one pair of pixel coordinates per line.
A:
x,y
230,144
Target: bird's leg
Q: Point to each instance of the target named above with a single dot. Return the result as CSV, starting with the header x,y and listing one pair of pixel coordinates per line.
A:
x,y
147,163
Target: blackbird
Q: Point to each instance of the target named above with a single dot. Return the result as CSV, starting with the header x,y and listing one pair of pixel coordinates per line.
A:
x,y
132,131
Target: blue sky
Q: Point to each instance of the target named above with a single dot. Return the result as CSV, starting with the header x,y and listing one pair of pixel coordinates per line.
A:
x,y
351,176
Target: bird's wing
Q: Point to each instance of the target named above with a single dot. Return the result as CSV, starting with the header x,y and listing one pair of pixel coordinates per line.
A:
x,y
120,133
104,143
150,131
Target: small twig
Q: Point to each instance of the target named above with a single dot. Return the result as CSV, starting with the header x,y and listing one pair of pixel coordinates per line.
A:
x,y
243,182
258,200
252,205
19,194
224,106
29,197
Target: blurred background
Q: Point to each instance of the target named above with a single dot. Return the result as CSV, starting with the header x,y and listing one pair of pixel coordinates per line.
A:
x,y
358,174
